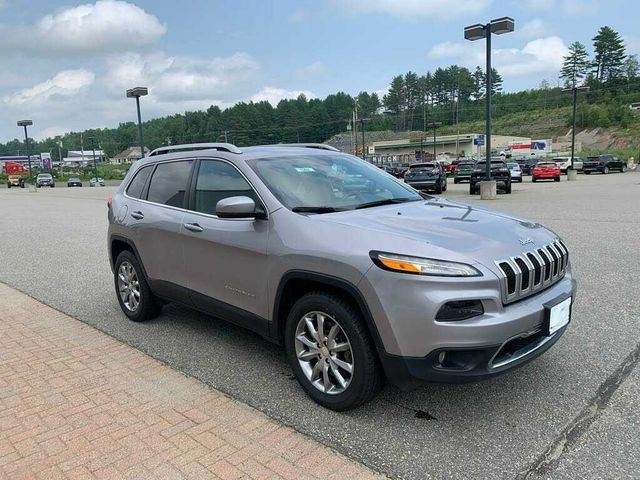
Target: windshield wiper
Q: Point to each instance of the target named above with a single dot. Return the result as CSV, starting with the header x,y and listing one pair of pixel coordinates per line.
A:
x,y
386,201
315,209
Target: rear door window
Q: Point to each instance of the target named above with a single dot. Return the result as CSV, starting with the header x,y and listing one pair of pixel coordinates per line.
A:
x,y
169,183
136,187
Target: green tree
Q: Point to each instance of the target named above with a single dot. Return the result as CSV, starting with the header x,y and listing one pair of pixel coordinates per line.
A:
x,y
395,100
631,67
575,66
609,55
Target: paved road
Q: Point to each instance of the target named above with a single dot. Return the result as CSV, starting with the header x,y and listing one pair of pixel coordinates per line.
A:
x,y
543,419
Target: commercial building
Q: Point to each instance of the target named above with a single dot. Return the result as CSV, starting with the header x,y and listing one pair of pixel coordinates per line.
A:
x,y
446,146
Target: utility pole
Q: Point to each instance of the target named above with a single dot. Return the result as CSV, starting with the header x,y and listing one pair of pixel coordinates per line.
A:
x,y
95,164
362,124
574,90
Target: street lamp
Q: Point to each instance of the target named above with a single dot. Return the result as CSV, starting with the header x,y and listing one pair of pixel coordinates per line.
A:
x,y
136,93
478,32
25,124
435,126
574,89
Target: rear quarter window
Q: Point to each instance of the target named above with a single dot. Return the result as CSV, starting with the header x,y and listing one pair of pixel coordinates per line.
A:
x,y
136,187
169,183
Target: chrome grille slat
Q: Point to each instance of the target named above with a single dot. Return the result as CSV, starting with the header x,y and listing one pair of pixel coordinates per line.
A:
x,y
519,272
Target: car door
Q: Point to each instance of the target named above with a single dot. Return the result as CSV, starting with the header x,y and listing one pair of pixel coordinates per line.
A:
x,y
155,222
225,259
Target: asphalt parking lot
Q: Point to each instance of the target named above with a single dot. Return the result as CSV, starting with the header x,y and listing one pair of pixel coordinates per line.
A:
x,y
571,413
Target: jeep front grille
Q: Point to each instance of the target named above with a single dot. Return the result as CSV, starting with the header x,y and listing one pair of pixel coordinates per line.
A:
x,y
533,271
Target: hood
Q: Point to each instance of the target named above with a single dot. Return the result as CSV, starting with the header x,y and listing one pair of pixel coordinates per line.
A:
x,y
478,234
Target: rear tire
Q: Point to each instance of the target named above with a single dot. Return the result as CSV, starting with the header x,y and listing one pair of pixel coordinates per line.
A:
x,y
358,351
456,181
533,180
605,170
557,179
587,172
507,189
128,279
623,169
439,187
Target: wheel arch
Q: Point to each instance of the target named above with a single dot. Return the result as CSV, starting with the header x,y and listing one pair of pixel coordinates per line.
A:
x,y
296,283
118,244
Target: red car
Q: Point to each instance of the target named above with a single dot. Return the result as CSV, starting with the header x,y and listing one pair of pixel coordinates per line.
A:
x,y
451,169
545,171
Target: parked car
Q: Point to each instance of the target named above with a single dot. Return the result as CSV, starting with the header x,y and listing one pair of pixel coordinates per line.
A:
x,y
356,288
45,180
463,171
499,172
427,177
453,166
545,171
74,182
15,181
516,171
95,183
603,164
526,165
564,163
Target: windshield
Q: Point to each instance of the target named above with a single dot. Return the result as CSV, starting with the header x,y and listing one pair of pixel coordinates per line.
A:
x,y
326,183
44,175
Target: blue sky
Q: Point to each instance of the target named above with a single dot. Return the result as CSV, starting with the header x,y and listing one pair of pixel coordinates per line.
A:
x,y
66,64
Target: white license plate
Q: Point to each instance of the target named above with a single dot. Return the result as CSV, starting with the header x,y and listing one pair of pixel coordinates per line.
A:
x,y
559,315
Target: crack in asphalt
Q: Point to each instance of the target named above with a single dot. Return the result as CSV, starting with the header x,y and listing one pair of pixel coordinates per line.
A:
x,y
573,432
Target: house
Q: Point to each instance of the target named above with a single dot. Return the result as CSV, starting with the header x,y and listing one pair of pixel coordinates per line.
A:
x,y
129,155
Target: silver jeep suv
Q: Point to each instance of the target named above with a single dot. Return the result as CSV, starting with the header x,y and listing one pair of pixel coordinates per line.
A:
x,y
358,275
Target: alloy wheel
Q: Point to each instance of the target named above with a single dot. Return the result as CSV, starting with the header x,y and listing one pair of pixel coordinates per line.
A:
x,y
324,352
129,286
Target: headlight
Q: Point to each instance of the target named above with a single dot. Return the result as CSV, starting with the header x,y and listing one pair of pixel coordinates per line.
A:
x,y
423,266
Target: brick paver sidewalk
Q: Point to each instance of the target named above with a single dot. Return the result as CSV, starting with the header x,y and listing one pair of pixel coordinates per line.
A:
x,y
76,403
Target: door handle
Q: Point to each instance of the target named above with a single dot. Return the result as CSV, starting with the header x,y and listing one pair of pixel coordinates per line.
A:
x,y
194,227
137,215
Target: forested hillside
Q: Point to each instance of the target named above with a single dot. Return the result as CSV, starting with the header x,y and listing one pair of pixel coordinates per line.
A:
x,y
448,95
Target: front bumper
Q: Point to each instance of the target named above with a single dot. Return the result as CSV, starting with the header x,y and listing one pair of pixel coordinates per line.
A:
x,y
504,337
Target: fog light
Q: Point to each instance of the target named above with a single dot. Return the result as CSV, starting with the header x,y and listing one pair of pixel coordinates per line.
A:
x,y
442,358
459,310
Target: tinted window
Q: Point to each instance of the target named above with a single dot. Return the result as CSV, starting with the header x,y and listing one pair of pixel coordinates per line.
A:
x,y
217,180
137,184
169,183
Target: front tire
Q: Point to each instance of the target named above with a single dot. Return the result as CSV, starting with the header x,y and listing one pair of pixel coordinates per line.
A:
x,y
605,170
330,352
557,179
132,290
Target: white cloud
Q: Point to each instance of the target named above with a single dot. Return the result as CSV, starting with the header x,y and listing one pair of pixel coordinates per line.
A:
x,y
566,7
102,27
412,9
537,56
51,132
65,84
312,71
273,95
534,28
175,79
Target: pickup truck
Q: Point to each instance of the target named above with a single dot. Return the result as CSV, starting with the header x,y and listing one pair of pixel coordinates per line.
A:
x,y
499,172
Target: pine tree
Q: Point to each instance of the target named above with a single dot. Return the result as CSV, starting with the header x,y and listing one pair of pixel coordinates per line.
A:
x,y
496,81
575,66
609,54
631,67
477,89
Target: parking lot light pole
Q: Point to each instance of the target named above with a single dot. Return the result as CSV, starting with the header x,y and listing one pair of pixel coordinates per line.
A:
x,y
25,124
478,32
574,90
434,126
362,121
136,93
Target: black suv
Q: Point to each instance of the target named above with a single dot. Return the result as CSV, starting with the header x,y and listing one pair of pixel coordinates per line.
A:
x,y
427,176
499,172
603,164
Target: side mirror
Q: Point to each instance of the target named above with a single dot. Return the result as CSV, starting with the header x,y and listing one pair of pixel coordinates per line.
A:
x,y
236,207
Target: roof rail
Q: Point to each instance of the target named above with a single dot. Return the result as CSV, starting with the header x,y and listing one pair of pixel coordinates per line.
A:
x,y
319,146
223,147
